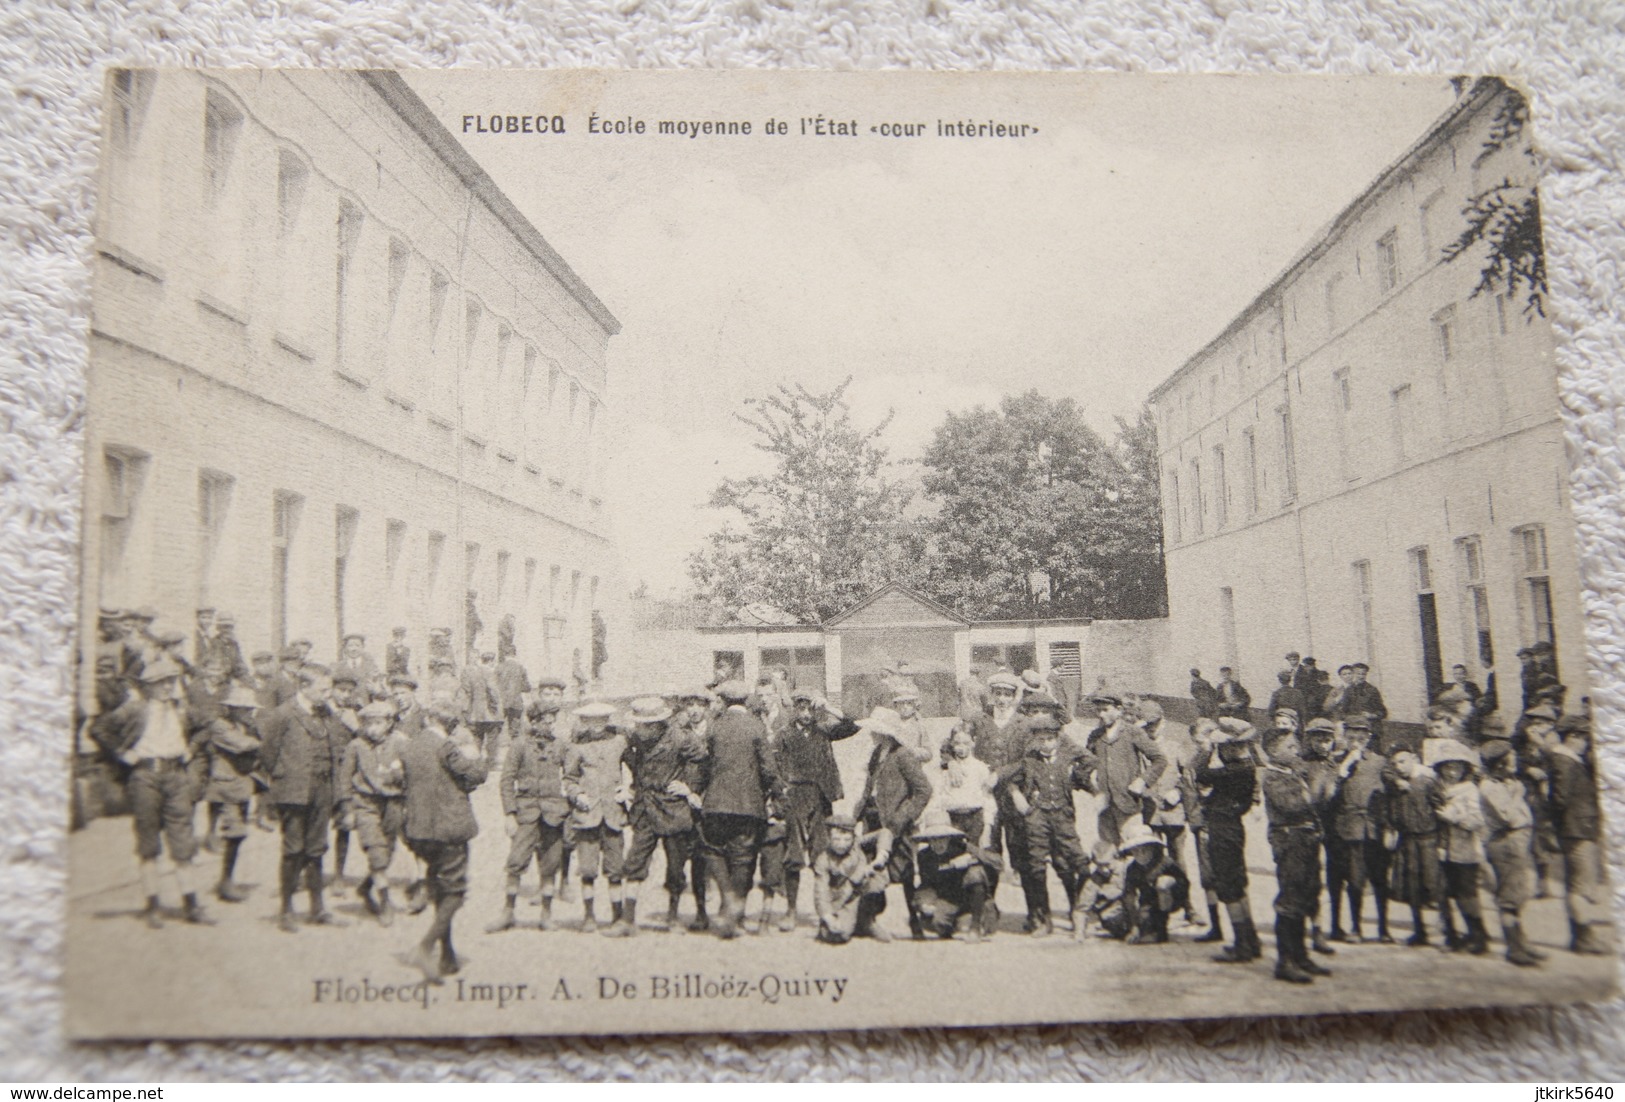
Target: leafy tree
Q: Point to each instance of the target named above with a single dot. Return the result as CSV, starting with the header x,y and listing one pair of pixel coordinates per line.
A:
x,y
1506,218
824,529
1040,516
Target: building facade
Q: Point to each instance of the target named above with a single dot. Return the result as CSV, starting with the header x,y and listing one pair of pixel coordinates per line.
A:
x,y
337,381
1368,463
845,657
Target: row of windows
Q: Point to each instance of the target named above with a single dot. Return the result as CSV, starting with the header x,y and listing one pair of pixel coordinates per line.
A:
x,y
1437,223
125,470
1532,581
1476,401
388,304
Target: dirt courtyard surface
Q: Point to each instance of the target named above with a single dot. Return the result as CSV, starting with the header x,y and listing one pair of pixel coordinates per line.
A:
x,y
244,977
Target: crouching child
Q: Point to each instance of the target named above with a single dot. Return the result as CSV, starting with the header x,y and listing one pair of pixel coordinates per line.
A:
x,y
1100,897
957,876
849,889
1154,886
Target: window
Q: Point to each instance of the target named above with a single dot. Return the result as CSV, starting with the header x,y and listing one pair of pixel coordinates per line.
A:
x,y
1429,212
345,522
1444,332
1221,491
1289,457
1333,314
1534,584
213,500
122,470
530,580
292,179
286,507
1427,612
348,236
575,590
1227,626
502,576
471,328
394,544
399,256
436,552
438,285
1501,315
553,575
1475,599
1342,407
1249,443
1424,569
1198,507
1363,597
1174,512
1404,414
1388,261
131,92
222,124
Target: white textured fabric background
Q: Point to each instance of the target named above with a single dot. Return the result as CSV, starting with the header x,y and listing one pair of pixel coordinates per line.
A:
x,y
1571,57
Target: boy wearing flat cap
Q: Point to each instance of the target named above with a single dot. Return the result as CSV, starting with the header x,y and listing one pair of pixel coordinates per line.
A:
x,y
1508,845
1040,787
535,809
598,797
1227,781
665,764
229,746
812,784
1289,805
372,790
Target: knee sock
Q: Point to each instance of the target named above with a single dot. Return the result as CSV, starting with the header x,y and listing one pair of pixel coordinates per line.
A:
x,y
228,861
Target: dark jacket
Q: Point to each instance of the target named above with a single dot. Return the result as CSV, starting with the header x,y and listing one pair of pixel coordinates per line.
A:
x,y
1287,696
439,777
1048,784
301,752
532,783
896,790
1234,699
673,755
1229,790
739,774
1362,698
805,756
1574,798
1362,806
512,684
999,747
477,693
1132,753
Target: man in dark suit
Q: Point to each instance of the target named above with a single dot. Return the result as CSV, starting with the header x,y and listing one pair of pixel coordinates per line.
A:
x,y
738,778
441,770
1360,697
812,784
302,747
483,703
894,793
512,685
1234,699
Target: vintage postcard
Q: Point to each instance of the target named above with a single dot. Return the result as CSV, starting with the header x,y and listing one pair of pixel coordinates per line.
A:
x,y
588,552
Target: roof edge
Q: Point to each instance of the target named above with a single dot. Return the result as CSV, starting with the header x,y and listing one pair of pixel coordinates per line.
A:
x,y
1483,89
406,103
